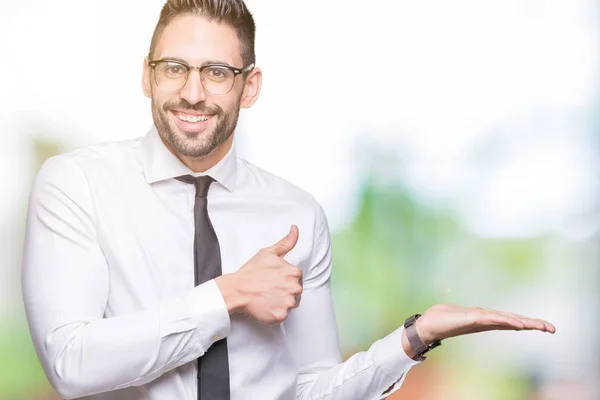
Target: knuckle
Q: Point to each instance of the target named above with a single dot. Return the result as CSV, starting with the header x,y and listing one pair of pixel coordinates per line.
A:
x,y
291,302
280,315
296,272
298,289
293,286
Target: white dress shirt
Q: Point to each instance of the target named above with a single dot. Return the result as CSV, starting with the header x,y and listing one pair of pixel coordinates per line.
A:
x,y
108,282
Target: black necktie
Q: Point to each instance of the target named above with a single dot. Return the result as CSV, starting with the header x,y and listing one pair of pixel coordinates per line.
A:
x,y
213,366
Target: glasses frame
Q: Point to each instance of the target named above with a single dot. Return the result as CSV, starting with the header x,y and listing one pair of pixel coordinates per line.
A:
x,y
236,71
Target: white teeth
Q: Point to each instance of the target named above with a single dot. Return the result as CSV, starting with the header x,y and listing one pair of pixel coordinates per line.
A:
x,y
189,118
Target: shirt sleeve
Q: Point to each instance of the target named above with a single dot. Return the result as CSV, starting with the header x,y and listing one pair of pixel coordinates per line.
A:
x,y
65,290
312,333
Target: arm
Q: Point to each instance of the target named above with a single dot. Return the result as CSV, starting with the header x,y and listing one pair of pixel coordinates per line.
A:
x,y
312,333
65,288
381,370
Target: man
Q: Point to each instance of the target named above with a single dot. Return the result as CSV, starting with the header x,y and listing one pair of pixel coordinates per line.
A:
x,y
158,268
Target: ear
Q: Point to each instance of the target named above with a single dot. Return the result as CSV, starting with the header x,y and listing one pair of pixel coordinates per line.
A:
x,y
146,83
252,86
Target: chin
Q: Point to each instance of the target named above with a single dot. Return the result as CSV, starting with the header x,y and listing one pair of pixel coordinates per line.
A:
x,y
195,145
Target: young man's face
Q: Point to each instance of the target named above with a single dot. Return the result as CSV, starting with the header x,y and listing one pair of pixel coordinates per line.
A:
x,y
192,121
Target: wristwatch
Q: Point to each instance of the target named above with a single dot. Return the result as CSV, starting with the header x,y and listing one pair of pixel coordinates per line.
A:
x,y
415,341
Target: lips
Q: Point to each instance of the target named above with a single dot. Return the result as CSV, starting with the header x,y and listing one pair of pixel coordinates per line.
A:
x,y
192,117
191,122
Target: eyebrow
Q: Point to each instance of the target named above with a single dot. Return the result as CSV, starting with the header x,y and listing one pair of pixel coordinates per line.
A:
x,y
208,62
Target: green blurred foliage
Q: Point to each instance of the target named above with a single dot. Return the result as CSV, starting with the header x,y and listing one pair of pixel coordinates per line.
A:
x,y
397,257
380,260
21,375
387,263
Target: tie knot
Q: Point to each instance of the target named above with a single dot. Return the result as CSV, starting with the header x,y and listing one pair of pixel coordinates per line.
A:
x,y
202,183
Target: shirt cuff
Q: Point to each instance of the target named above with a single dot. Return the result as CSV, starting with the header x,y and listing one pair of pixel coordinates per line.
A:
x,y
202,310
208,313
391,357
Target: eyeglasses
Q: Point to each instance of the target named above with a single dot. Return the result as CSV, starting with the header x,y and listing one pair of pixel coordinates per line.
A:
x,y
217,79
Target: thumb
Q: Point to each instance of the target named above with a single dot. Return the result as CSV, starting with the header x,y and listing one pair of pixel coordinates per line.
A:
x,y
286,244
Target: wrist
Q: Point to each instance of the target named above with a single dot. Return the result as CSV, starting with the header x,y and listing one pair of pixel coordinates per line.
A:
x,y
418,345
232,295
407,347
425,336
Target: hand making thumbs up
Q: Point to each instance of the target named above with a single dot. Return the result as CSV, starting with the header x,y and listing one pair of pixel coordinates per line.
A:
x,y
267,287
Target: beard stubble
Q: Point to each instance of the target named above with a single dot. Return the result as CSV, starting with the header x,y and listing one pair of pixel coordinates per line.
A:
x,y
192,144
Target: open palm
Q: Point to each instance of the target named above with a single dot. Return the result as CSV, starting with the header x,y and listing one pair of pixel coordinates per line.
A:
x,y
445,321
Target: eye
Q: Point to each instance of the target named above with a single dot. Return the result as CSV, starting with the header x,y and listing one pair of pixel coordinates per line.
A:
x,y
217,74
173,69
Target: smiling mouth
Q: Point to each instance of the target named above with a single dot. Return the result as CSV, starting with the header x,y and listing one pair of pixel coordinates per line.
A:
x,y
190,117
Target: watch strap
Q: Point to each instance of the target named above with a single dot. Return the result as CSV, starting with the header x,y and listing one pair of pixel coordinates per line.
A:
x,y
414,339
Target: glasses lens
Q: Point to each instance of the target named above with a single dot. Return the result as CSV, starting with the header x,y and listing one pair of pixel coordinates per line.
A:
x,y
218,80
170,76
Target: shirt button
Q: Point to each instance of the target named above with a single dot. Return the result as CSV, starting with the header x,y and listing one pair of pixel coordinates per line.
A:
x,y
215,338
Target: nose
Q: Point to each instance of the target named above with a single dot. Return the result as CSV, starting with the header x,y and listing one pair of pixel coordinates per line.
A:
x,y
193,91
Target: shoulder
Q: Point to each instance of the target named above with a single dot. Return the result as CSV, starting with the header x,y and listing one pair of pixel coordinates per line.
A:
x,y
272,189
92,159
258,181
72,174
100,156
285,198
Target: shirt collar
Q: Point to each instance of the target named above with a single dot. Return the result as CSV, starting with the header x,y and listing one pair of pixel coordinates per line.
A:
x,y
160,164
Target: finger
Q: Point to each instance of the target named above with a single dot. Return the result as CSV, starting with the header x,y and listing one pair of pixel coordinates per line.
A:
x,y
534,323
286,244
290,269
550,327
531,323
538,324
511,322
291,303
296,273
506,322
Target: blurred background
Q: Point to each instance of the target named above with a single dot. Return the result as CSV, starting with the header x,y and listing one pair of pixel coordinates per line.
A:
x,y
455,147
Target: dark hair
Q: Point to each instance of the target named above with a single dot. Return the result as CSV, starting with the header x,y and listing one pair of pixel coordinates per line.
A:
x,y
231,12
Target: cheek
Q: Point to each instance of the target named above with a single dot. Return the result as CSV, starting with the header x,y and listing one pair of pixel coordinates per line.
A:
x,y
231,106
227,105
233,102
158,102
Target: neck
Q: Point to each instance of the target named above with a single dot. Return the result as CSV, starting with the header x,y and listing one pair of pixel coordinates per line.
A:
x,y
203,164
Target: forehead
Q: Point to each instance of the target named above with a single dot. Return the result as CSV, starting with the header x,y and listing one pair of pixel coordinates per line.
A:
x,y
197,39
